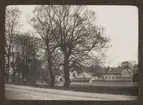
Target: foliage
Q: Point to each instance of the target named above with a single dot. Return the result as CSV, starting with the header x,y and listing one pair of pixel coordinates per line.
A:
x,y
69,38
11,28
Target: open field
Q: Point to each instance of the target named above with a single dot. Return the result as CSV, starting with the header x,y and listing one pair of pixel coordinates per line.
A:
x,y
122,88
16,92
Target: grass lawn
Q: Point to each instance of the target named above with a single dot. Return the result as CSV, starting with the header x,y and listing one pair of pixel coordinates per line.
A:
x,y
95,89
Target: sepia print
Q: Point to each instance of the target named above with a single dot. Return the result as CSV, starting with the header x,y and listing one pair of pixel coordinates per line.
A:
x,y
71,52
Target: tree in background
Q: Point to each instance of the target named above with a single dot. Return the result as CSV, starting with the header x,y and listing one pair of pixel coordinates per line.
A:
x,y
11,28
128,64
133,66
136,72
72,31
43,25
26,50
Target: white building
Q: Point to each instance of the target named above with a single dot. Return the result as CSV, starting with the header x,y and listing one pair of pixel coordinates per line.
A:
x,y
102,74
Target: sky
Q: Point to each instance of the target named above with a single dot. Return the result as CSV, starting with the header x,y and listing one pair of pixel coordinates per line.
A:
x,y
121,26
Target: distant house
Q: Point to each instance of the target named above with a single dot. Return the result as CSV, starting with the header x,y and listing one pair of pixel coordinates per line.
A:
x,y
106,74
115,74
100,74
59,78
75,74
84,73
109,74
126,73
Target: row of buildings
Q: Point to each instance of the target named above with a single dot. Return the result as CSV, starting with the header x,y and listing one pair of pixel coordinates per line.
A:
x,y
101,74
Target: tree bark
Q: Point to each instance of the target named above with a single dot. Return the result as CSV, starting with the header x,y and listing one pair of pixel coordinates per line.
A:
x,y
18,78
52,76
14,71
13,76
7,69
66,70
8,62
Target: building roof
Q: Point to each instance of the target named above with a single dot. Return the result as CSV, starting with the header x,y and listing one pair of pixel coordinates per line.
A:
x,y
111,71
101,70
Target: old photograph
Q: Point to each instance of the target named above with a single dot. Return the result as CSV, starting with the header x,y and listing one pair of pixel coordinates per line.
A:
x,y
71,52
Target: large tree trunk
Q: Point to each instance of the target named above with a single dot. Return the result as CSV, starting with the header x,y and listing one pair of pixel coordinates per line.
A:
x,y
18,78
13,76
14,71
66,70
52,76
7,69
23,77
8,63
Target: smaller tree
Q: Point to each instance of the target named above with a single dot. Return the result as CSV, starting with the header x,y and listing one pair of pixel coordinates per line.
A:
x,y
136,74
11,28
43,25
128,64
95,70
26,48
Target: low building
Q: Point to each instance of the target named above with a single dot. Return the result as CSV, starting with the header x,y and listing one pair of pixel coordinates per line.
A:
x,y
115,74
106,74
59,78
83,74
100,74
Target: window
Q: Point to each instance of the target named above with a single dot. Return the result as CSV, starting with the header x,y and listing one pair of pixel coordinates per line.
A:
x,y
74,75
61,79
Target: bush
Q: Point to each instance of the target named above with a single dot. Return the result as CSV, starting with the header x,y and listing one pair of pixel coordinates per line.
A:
x,y
80,80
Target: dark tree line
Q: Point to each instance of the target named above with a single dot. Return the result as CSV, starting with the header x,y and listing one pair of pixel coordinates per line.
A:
x,y
68,36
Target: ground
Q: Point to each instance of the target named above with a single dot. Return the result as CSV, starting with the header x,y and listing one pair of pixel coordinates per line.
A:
x,y
16,92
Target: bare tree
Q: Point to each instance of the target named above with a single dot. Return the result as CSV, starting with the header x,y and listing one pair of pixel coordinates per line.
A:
x,y
26,50
77,35
11,28
72,29
43,25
